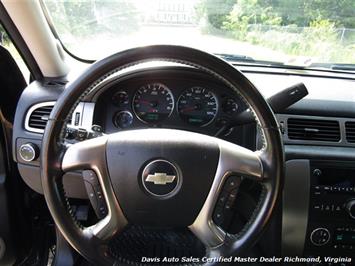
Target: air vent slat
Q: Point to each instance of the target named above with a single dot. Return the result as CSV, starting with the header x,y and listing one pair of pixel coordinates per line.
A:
x,y
350,131
318,134
313,130
39,117
301,127
35,125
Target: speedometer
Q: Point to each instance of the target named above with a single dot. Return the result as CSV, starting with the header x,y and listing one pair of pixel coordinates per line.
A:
x,y
153,103
197,106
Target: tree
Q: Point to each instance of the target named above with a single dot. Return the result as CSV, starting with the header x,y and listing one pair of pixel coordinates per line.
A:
x,y
3,36
249,12
215,11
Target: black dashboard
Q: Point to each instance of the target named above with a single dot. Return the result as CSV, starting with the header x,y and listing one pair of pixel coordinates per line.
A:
x,y
315,220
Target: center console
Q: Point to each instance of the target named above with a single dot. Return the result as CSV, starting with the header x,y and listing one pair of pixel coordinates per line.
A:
x,y
331,218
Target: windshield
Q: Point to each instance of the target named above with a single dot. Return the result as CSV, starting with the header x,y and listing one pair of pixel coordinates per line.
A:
x,y
292,32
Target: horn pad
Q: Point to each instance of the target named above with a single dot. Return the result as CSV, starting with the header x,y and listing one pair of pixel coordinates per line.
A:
x,y
161,177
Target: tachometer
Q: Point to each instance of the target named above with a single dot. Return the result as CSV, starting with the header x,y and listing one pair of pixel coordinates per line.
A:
x,y
153,103
197,106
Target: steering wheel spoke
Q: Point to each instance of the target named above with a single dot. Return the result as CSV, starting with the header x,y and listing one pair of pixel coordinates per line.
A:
x,y
91,154
235,163
237,160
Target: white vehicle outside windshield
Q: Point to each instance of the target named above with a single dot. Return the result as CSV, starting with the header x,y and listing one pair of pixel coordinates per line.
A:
x,y
292,32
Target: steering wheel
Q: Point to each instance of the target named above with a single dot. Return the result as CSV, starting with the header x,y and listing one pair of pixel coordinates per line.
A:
x,y
164,177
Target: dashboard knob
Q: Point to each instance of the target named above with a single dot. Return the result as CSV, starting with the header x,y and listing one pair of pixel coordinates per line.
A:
x,y
350,208
320,236
29,152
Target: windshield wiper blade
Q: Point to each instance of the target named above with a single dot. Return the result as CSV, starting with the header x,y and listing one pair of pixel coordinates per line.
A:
x,y
237,58
346,67
336,67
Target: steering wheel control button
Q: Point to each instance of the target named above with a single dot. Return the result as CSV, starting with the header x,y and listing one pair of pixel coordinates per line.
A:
x,y
161,178
218,216
29,152
320,236
223,212
222,199
95,194
91,194
90,176
232,183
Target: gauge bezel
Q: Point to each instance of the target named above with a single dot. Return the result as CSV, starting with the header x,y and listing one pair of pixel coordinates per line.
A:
x,y
117,114
214,95
230,113
117,92
151,122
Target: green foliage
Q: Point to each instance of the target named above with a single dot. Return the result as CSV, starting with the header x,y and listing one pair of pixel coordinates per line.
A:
x,y
296,27
246,12
341,12
214,11
3,36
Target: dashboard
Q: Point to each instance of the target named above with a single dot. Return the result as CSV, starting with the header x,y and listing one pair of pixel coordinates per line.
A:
x,y
318,133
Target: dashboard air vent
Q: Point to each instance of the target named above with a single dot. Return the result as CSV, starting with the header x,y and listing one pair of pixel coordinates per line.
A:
x,y
313,130
37,117
350,131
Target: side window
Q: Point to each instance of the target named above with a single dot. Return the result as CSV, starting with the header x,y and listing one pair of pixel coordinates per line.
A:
x,y
6,42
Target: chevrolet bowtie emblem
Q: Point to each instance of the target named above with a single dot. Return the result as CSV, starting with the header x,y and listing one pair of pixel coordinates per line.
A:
x,y
160,178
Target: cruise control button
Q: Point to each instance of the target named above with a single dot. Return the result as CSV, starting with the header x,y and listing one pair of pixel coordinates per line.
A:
x,y
90,176
222,199
232,183
233,193
91,194
228,206
218,216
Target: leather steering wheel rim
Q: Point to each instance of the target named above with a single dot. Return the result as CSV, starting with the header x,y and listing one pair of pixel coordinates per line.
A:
x,y
53,152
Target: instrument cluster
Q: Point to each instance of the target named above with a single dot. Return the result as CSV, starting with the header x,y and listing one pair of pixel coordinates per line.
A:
x,y
191,105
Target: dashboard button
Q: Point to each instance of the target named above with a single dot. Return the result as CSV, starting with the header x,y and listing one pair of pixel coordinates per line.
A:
x,y
29,152
81,134
70,133
350,208
317,172
96,128
320,236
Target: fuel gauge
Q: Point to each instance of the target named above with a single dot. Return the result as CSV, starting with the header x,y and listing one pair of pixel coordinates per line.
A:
x,y
120,99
